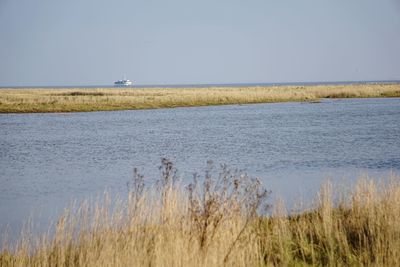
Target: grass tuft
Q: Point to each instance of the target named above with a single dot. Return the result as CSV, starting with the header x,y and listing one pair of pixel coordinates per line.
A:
x,y
217,221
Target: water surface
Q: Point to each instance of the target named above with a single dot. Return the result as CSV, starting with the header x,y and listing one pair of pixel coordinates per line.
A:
x,y
48,159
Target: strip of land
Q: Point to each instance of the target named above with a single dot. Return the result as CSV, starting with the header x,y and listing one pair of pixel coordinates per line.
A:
x,y
102,99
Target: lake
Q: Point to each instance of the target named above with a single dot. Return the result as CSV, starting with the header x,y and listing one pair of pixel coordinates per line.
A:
x,y
46,160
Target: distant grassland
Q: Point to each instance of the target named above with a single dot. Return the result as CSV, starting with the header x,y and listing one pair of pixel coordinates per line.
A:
x,y
102,99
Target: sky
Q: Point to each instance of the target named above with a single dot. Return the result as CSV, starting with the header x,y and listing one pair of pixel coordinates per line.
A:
x,y
95,42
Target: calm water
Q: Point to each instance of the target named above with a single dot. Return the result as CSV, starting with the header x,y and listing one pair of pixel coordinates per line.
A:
x,y
48,159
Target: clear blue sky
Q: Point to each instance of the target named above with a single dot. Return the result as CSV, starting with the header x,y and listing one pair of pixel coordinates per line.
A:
x,y
83,42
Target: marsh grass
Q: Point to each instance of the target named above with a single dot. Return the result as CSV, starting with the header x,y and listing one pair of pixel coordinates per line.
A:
x,y
76,99
216,221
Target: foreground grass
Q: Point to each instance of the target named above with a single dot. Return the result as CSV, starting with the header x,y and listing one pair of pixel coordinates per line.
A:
x,y
79,99
216,224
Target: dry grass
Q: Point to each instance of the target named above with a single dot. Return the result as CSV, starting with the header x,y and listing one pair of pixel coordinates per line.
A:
x,y
216,224
79,99
361,230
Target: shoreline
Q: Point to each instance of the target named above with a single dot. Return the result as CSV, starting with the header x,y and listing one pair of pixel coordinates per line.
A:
x,y
361,229
45,100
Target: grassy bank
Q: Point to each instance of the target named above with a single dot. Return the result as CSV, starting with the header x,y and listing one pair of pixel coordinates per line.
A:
x,y
217,223
79,100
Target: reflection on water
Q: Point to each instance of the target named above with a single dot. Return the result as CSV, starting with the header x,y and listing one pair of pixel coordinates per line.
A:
x,y
48,159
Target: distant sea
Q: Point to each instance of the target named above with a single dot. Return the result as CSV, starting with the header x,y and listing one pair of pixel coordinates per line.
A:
x,y
209,84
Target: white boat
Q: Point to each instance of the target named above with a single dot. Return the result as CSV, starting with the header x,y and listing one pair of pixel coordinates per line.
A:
x,y
123,83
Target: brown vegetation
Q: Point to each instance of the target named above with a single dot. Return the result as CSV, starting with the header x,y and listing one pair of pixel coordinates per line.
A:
x,y
80,99
217,223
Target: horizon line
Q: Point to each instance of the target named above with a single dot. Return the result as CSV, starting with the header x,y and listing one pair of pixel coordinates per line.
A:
x,y
199,85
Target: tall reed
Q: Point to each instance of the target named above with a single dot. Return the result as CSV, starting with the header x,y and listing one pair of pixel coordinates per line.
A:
x,y
217,220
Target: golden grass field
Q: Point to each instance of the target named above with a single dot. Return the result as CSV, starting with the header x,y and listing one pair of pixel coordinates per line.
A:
x,y
169,225
80,99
